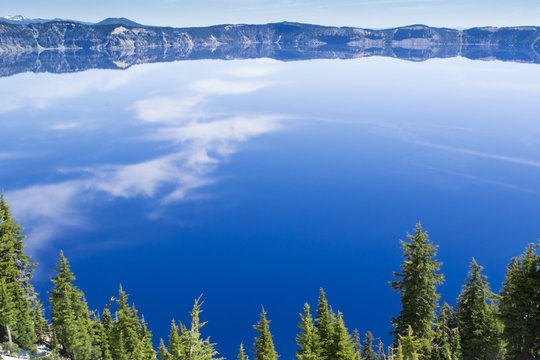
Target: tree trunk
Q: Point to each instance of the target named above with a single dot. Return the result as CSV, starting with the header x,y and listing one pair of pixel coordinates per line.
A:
x,y
9,336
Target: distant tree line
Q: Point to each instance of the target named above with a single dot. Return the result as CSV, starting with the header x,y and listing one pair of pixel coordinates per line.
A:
x,y
481,326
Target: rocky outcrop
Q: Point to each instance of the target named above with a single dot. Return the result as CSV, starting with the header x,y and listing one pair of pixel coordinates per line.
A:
x,y
65,46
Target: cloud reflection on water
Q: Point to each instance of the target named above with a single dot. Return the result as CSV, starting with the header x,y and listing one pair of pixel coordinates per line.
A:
x,y
200,140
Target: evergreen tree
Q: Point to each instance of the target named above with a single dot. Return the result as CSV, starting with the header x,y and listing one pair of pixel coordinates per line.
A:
x,y
479,330
176,347
410,346
199,348
187,344
520,305
129,337
446,338
102,331
342,346
264,345
306,338
397,352
357,345
163,353
444,335
15,266
324,326
417,283
70,318
101,339
7,311
16,271
367,349
242,353
41,327
144,349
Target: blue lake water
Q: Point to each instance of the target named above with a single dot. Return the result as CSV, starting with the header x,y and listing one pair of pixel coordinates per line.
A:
x,y
255,182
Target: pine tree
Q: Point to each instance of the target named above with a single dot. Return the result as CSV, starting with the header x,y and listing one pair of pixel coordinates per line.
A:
x,y
410,346
306,338
16,271
102,331
15,266
144,349
70,318
41,327
445,345
7,311
367,349
520,304
397,352
129,337
479,330
242,353
187,344
200,349
342,346
446,337
357,345
176,347
417,284
324,326
163,353
264,345
101,339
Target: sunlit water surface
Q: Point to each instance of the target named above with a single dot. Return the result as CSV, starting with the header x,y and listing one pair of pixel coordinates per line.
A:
x,y
255,182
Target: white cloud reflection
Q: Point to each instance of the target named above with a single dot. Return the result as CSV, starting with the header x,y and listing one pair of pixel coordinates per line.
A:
x,y
200,141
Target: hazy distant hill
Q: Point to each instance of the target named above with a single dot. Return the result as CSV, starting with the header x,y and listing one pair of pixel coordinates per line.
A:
x,y
119,21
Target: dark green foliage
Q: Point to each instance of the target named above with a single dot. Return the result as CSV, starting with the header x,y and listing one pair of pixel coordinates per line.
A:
x,y
199,348
144,349
7,311
163,353
324,327
16,271
357,345
479,329
474,331
129,337
417,284
41,327
367,349
446,337
306,338
70,318
15,266
102,333
177,348
264,345
187,344
410,347
520,304
397,352
342,347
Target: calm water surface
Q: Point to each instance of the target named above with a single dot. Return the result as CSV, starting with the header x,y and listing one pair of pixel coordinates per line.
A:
x,y
257,181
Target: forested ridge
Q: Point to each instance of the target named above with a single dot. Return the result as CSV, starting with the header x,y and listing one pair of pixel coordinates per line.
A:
x,y
482,325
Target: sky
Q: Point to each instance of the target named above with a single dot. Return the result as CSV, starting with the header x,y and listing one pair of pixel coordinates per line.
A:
x,y
358,13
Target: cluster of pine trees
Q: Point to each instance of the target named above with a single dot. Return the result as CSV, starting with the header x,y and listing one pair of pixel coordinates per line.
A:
x,y
481,326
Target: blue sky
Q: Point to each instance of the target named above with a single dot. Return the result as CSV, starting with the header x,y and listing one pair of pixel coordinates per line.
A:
x,y
361,13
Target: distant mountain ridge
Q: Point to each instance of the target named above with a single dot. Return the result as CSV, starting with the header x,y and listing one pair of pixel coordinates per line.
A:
x,y
23,20
117,43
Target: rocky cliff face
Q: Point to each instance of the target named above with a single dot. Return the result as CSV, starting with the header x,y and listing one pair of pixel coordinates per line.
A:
x,y
63,46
